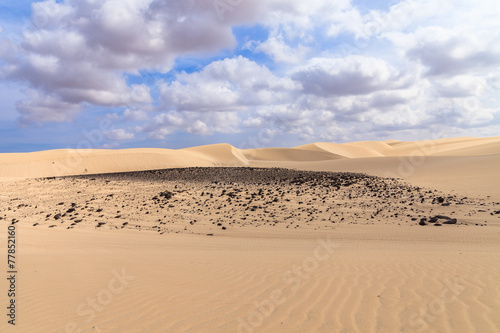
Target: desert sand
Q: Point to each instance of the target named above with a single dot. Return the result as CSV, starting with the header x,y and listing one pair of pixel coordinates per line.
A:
x,y
358,237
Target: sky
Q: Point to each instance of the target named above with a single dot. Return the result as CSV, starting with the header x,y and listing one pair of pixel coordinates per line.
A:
x,y
113,74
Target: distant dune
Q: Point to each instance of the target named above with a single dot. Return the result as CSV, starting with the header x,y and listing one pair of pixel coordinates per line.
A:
x,y
466,162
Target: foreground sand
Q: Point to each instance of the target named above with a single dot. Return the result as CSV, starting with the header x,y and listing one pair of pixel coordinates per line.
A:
x,y
140,265
376,279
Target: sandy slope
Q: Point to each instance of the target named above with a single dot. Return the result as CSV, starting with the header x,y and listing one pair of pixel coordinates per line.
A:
x,y
342,150
389,276
73,162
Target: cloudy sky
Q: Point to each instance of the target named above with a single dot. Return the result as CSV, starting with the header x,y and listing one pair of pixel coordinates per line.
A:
x,y
253,73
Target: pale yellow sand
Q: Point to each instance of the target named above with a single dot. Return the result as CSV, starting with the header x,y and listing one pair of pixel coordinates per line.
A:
x,y
376,279
373,278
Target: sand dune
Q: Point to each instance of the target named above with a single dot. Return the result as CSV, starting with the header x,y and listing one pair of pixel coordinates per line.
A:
x,y
468,164
73,162
342,150
446,147
222,154
288,154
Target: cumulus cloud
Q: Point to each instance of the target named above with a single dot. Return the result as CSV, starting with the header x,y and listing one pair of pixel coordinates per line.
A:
x,y
275,13
227,85
445,52
461,86
277,49
352,75
135,115
199,123
119,134
78,51
42,108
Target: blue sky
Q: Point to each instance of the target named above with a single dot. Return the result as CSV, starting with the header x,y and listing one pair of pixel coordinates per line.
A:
x,y
173,74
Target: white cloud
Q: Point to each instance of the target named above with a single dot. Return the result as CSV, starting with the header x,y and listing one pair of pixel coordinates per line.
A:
x,y
45,108
253,122
227,85
461,86
199,123
78,51
291,13
349,20
119,134
352,75
135,115
277,49
199,128
447,52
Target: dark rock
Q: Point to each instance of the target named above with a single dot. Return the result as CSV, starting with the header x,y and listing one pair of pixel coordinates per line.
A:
x,y
167,194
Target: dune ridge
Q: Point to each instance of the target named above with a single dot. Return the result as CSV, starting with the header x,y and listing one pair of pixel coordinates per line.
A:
x,y
64,162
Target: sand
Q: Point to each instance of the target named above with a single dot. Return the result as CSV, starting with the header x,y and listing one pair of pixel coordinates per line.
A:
x,y
261,250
